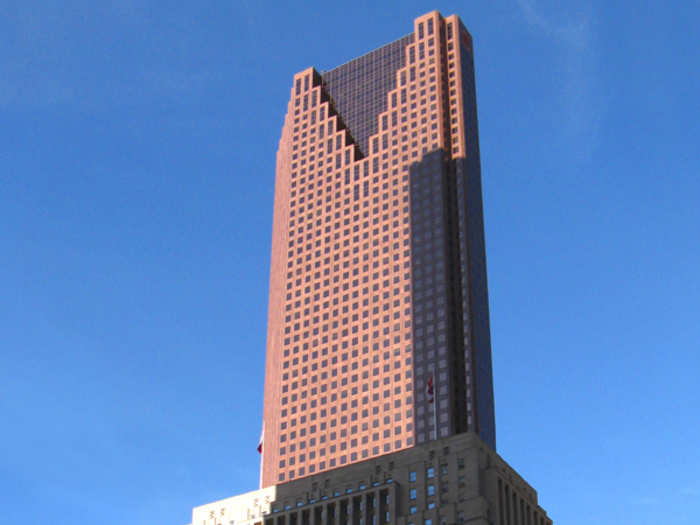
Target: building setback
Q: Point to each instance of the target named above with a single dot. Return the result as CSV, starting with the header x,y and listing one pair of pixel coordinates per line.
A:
x,y
378,326
452,480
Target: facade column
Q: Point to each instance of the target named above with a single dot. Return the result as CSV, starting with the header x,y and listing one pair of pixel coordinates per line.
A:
x,y
379,506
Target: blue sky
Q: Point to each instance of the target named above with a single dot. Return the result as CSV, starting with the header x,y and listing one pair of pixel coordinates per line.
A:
x,y
137,147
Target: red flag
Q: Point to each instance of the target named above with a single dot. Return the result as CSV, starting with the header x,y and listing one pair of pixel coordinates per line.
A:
x,y
260,443
429,391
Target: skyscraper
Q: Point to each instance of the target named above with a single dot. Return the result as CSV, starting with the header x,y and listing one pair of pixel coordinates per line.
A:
x,y
378,325
378,392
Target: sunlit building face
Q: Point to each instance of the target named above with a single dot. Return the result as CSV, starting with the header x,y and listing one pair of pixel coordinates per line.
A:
x,y
378,325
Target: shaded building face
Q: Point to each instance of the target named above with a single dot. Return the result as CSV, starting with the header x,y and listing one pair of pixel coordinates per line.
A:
x,y
378,327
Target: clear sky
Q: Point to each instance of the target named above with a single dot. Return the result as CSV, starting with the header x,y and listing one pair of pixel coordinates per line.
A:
x,y
137,155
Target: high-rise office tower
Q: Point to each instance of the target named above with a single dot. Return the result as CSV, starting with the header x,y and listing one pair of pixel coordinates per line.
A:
x,y
378,393
378,328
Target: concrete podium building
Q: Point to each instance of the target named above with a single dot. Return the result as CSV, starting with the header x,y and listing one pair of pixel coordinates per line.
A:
x,y
449,481
378,400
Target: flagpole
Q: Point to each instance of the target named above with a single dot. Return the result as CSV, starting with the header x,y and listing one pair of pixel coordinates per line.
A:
x,y
262,451
435,403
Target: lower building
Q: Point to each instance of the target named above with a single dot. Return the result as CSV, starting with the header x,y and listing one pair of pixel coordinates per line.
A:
x,y
444,482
